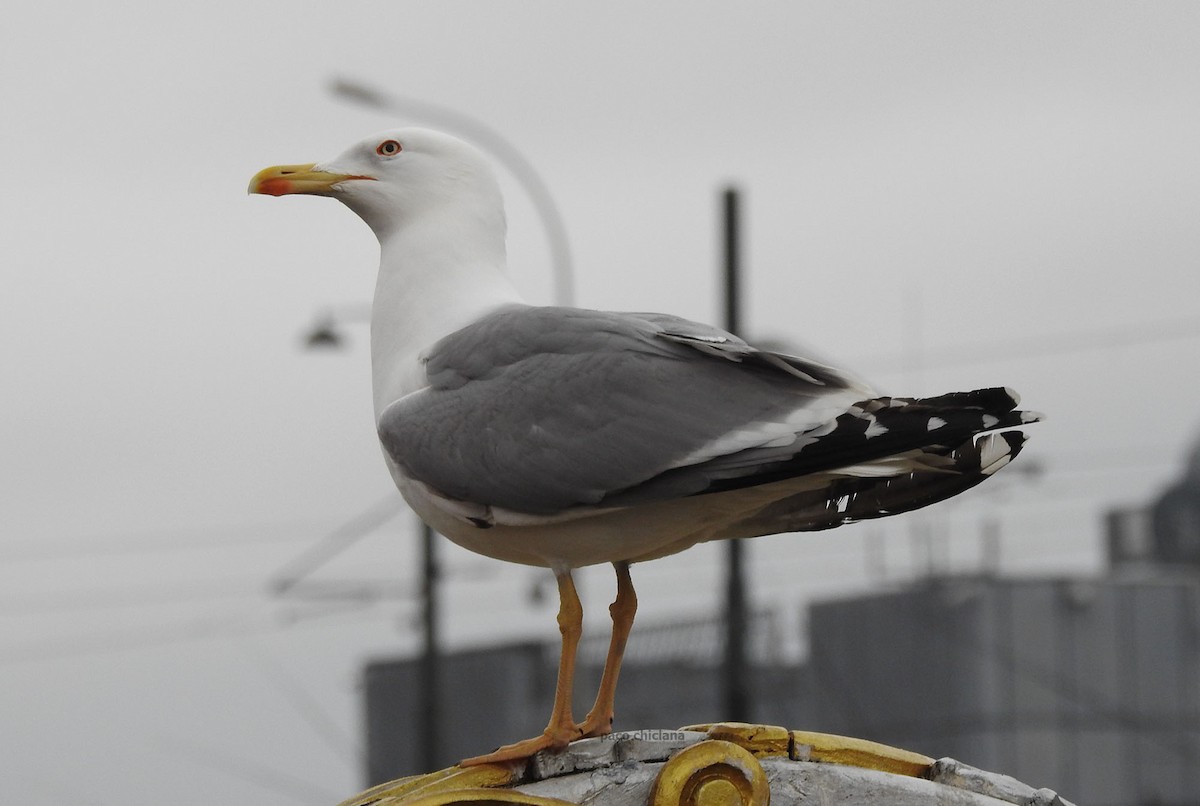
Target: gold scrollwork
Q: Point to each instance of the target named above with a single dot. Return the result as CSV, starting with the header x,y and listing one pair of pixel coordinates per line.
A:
x,y
711,773
450,780
761,740
851,752
485,797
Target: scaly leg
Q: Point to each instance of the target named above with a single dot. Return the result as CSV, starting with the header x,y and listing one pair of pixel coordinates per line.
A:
x,y
599,720
561,729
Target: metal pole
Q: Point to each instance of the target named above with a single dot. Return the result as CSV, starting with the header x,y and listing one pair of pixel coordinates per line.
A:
x,y
735,691
430,656
730,214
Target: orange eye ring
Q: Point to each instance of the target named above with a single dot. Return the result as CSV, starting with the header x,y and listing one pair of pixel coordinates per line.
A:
x,y
388,148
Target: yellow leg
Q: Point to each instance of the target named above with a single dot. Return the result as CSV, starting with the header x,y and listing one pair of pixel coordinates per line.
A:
x,y
561,729
599,720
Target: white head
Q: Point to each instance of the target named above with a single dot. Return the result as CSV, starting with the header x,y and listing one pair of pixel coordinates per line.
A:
x,y
397,178
436,208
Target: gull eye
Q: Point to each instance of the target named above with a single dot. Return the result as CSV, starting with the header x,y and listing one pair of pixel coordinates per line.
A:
x,y
388,148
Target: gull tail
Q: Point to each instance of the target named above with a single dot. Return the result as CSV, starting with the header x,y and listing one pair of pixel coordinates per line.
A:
x,y
849,498
886,456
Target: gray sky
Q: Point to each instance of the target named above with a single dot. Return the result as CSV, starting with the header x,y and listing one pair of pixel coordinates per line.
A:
x,y
940,195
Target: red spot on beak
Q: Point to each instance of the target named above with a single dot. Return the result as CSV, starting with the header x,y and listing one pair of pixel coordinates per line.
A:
x,y
275,186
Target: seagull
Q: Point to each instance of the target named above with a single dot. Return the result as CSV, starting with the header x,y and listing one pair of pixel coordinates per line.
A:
x,y
564,437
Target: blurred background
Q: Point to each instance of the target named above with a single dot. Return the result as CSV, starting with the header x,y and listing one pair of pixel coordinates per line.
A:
x,y
200,548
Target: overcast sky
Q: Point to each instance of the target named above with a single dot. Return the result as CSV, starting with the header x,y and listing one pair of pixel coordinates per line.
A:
x,y
939,195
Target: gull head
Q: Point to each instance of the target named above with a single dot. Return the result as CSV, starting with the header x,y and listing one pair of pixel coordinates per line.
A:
x,y
395,178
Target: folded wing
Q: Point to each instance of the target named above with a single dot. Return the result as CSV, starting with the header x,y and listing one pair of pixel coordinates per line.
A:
x,y
541,410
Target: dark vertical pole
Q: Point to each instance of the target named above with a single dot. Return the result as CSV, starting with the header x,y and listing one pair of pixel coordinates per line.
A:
x,y
430,697
732,249
735,692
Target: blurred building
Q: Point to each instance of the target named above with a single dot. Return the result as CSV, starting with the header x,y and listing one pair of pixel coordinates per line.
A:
x,y
1165,536
1090,687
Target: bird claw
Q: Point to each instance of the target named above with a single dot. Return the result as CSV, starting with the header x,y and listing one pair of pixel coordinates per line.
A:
x,y
553,740
595,726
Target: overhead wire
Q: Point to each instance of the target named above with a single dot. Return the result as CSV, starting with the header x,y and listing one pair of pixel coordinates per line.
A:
x,y
306,706
74,600
176,631
335,542
236,766
1037,346
155,541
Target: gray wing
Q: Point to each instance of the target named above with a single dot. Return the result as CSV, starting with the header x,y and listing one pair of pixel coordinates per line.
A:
x,y
541,410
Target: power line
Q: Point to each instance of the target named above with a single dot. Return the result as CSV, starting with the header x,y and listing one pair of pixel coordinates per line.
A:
x,y
131,639
156,541
174,632
335,543
308,707
237,767
1086,340
124,597
366,591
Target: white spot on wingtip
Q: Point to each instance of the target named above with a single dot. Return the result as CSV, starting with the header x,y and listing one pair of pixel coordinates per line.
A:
x,y
935,423
999,463
990,420
994,453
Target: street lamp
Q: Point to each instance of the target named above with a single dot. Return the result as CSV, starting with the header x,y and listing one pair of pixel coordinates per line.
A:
x,y
326,331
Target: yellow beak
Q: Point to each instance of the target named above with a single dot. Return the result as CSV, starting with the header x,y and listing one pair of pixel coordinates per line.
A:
x,y
280,180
